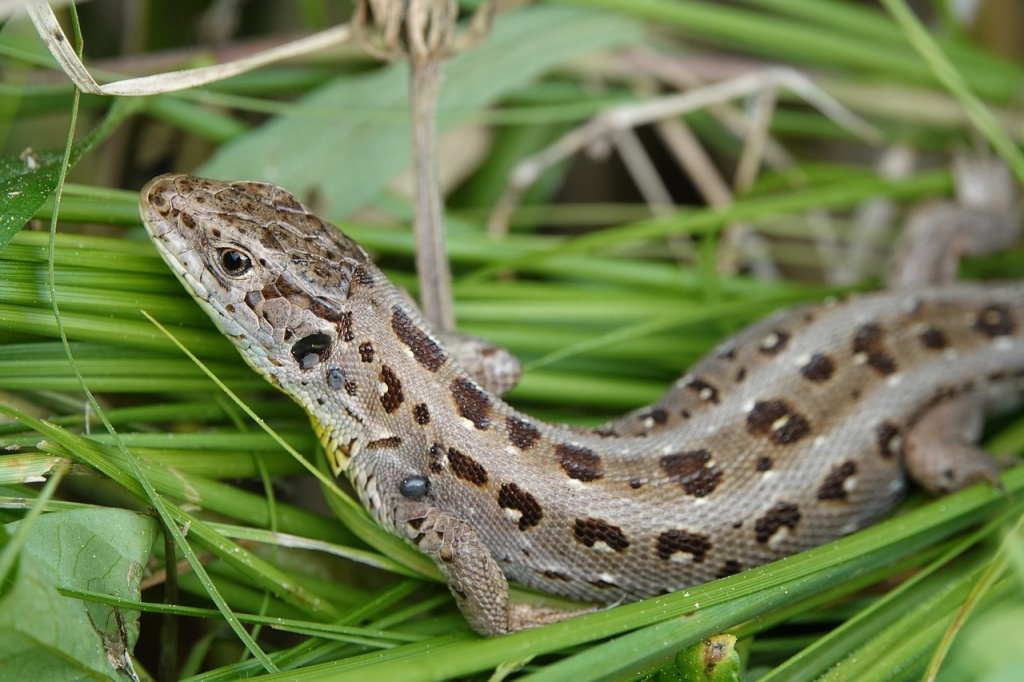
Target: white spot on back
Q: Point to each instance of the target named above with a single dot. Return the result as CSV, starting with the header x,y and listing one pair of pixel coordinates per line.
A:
x,y
512,514
779,537
1004,343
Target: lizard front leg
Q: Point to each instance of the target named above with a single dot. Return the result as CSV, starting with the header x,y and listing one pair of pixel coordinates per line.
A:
x,y
474,577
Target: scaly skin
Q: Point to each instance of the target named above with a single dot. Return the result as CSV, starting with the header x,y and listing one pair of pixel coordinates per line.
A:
x,y
793,433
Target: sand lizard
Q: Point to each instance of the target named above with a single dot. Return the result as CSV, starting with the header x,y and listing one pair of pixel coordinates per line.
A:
x,y
796,431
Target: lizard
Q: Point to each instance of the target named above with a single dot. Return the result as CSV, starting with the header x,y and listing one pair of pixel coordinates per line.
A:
x,y
798,430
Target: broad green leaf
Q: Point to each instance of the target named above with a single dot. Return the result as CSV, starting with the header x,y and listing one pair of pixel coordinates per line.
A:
x,y
26,183
44,635
349,138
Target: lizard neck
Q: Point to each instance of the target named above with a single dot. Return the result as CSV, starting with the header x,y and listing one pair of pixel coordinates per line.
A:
x,y
387,369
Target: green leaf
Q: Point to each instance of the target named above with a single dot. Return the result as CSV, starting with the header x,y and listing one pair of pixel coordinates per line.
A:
x,y
710,660
25,184
353,133
44,635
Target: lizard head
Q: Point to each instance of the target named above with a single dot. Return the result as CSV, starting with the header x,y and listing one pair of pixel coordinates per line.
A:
x,y
276,280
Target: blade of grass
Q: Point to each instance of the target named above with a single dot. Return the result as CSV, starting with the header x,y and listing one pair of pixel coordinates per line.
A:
x,y
675,620
168,521
951,78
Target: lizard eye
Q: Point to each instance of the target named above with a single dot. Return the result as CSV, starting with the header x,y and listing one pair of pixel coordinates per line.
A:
x,y
234,262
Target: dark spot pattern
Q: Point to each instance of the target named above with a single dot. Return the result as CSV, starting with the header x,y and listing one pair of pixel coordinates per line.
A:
x,y
704,390
511,496
344,325
423,348
869,340
691,471
384,443
635,483
819,368
781,515
466,468
832,488
778,421
933,339
366,351
351,388
774,343
730,567
764,463
657,416
579,463
741,374
995,320
695,544
421,413
472,402
889,443
591,531
521,433
392,398
555,575
436,452
363,276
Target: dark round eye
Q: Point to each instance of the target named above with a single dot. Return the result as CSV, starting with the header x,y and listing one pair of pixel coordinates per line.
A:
x,y
235,262
414,487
